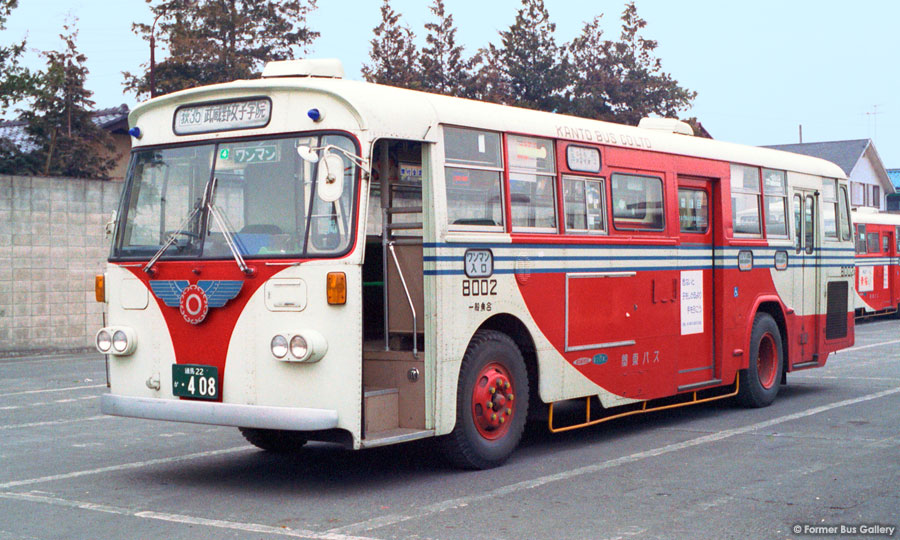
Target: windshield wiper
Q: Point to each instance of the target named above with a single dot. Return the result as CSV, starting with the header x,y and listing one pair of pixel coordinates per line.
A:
x,y
222,222
180,231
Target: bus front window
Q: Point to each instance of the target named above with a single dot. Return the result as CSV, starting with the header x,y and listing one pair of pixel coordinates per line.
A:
x,y
266,194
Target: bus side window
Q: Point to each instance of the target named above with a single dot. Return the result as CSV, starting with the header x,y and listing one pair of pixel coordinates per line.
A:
x,y
861,239
472,177
637,202
584,202
776,203
745,195
532,183
872,245
844,212
830,208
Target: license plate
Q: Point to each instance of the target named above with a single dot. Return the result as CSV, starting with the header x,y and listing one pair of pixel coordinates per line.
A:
x,y
193,381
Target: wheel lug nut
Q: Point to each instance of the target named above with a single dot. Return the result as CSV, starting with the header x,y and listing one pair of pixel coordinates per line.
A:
x,y
506,386
492,390
490,405
502,419
510,397
493,417
508,411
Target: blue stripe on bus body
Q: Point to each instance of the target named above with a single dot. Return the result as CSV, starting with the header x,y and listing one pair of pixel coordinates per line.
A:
x,y
491,245
508,271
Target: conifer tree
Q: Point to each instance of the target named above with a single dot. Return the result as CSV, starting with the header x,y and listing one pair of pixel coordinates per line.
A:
x,y
395,59
639,87
211,41
442,66
16,82
69,143
591,73
529,68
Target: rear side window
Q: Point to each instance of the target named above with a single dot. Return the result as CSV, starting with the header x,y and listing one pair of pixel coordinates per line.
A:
x,y
745,194
776,203
872,242
637,203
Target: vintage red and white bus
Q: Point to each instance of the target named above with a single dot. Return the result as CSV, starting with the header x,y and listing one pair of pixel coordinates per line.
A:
x,y
311,258
877,268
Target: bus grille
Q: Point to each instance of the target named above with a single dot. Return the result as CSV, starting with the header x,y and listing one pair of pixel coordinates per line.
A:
x,y
836,316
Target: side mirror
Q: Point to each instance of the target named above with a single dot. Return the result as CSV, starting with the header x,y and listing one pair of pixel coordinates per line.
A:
x,y
306,154
330,178
111,224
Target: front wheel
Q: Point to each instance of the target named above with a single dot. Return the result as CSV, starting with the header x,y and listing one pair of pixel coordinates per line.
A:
x,y
274,440
491,403
760,381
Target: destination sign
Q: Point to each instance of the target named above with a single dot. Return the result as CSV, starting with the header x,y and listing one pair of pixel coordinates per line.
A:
x,y
222,116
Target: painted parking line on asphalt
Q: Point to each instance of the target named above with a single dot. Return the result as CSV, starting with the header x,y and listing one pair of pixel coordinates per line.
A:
x,y
68,389
125,466
495,494
179,518
54,422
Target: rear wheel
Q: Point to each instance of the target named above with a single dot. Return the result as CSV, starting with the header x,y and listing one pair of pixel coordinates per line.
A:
x,y
274,440
760,381
491,403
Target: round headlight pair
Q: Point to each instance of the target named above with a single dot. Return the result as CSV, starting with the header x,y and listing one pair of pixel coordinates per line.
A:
x,y
298,347
116,340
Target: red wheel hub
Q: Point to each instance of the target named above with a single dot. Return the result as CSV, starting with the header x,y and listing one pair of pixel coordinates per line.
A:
x,y
767,361
493,401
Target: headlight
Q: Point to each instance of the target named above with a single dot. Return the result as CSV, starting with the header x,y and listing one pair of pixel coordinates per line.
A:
x,y
104,341
279,346
119,341
299,347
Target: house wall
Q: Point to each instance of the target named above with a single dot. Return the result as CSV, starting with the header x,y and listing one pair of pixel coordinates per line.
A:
x,y
52,243
122,154
864,173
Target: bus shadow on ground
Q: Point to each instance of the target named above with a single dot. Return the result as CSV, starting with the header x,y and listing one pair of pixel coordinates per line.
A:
x,y
321,467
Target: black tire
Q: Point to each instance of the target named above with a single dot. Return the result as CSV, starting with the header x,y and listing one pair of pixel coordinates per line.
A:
x,y
274,440
478,441
760,381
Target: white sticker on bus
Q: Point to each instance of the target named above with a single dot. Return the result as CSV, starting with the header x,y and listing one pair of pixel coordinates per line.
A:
x,y
866,279
691,302
886,285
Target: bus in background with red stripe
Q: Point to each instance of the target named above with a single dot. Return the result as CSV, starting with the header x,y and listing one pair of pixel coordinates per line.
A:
x,y
877,268
309,258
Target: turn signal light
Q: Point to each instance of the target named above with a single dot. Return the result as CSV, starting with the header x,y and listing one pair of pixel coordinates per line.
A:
x,y
100,287
336,288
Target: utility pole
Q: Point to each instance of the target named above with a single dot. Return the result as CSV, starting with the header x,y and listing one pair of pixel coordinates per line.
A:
x,y
153,53
801,133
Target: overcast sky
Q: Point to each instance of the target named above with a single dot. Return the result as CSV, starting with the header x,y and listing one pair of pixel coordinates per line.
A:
x,y
760,68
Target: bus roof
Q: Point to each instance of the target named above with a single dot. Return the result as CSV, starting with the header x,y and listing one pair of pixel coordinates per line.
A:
x,y
873,216
386,111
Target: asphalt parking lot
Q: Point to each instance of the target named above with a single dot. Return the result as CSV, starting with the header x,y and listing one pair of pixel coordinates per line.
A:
x,y
825,455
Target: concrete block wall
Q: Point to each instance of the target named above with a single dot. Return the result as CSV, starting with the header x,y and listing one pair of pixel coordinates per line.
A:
x,y
52,244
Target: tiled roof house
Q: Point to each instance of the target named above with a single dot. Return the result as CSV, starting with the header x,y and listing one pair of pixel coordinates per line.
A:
x,y
869,180
113,119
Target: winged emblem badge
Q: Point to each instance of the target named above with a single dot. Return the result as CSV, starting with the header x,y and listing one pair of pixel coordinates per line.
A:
x,y
195,300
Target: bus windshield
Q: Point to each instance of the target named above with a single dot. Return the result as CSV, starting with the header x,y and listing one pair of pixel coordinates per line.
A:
x,y
266,194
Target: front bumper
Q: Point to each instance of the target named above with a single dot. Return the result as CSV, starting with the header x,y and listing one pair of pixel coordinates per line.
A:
x,y
220,414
